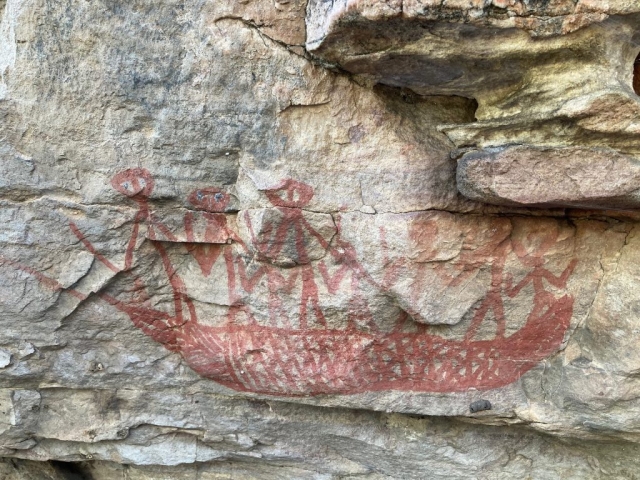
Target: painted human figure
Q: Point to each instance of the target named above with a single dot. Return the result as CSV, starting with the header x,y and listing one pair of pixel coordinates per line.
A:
x,y
289,198
137,184
218,236
308,361
493,300
344,255
480,247
533,257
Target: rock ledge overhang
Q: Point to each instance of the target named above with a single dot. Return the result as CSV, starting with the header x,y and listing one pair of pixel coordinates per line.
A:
x,y
558,121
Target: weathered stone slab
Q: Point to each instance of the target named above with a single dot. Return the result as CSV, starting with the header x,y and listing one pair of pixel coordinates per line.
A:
x,y
572,176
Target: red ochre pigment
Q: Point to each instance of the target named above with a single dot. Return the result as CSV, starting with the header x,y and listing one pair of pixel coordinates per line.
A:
x,y
246,356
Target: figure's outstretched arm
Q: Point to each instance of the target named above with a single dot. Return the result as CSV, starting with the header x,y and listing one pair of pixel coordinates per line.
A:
x,y
254,238
48,282
561,280
131,244
89,246
513,291
314,233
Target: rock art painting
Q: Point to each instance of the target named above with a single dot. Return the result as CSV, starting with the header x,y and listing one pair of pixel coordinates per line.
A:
x,y
305,355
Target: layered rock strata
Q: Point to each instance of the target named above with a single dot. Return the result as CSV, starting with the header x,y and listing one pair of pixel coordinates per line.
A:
x,y
279,240
552,79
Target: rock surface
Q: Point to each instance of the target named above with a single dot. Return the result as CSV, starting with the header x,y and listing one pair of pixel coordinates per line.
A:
x,y
546,75
576,176
325,240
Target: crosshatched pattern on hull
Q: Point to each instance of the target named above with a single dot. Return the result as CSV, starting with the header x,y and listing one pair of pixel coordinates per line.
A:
x,y
307,355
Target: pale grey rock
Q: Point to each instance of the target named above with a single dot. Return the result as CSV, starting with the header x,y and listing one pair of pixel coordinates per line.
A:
x,y
26,349
5,358
368,209
256,439
221,257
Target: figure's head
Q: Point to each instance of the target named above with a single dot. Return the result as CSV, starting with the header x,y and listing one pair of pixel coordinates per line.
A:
x,y
209,199
533,243
290,193
134,182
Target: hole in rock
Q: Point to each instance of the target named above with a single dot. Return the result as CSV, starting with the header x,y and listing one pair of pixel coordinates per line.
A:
x,y
474,106
636,75
71,470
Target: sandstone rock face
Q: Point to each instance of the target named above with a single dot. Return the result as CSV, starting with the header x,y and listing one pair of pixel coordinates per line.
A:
x,y
545,75
586,177
319,240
